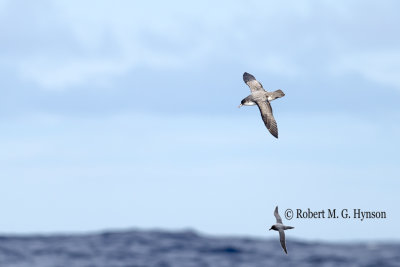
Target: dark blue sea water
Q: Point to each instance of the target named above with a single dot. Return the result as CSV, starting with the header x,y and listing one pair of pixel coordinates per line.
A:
x,y
163,249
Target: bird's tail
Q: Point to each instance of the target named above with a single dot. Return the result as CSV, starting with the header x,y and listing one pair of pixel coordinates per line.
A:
x,y
288,227
277,94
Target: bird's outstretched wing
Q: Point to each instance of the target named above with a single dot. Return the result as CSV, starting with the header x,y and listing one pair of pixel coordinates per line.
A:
x,y
268,117
251,81
282,239
278,218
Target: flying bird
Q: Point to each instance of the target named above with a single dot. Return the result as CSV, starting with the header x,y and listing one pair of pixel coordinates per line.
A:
x,y
280,228
262,98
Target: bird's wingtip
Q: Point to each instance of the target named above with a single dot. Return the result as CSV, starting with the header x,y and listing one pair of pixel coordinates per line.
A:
x,y
275,135
248,77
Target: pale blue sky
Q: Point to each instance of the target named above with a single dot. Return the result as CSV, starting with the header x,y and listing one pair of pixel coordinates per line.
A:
x,y
124,114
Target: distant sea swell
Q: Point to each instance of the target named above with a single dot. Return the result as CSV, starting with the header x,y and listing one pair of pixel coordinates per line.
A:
x,y
187,249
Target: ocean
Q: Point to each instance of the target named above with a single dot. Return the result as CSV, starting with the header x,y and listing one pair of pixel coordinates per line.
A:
x,y
136,248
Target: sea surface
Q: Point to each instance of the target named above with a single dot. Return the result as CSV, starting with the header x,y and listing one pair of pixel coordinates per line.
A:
x,y
187,248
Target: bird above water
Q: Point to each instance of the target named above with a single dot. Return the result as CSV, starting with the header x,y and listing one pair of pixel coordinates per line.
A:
x,y
262,98
280,228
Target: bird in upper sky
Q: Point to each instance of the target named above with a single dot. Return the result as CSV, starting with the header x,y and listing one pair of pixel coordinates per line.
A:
x,y
260,97
280,228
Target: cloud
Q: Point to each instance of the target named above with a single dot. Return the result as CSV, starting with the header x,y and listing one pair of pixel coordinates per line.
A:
x,y
58,45
74,71
382,67
70,46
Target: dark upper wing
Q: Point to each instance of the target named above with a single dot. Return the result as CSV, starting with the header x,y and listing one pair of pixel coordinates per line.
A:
x,y
278,218
251,81
282,239
268,117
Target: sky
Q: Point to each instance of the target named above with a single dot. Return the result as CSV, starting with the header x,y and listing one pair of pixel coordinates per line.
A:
x,y
123,114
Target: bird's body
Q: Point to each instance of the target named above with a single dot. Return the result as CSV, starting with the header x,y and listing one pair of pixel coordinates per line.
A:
x,y
280,227
260,97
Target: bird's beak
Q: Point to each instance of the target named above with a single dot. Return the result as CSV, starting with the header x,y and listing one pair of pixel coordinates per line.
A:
x,y
240,105
270,229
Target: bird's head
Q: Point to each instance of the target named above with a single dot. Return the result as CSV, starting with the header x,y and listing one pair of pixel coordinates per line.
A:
x,y
242,103
272,228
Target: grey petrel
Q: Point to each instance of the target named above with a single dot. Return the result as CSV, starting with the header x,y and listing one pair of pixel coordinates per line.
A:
x,y
280,228
260,97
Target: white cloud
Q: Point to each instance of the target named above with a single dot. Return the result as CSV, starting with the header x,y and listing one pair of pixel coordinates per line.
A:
x,y
48,74
96,41
107,39
378,66
278,64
